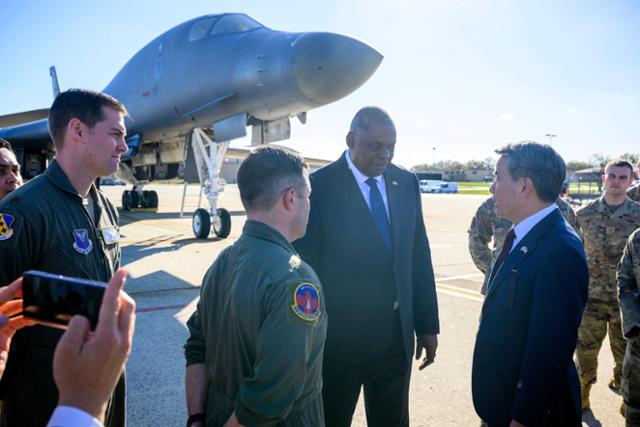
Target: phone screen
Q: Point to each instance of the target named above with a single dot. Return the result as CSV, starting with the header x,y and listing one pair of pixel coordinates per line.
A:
x,y
53,299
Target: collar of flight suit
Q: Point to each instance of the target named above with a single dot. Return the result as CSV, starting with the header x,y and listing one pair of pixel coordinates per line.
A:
x,y
265,232
59,178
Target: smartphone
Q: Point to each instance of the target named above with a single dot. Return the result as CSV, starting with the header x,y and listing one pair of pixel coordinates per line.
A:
x,y
53,300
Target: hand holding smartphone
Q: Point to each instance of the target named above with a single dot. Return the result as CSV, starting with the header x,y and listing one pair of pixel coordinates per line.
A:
x,y
52,300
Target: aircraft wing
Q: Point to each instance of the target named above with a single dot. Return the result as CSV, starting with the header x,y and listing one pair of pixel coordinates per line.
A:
x,y
35,133
24,117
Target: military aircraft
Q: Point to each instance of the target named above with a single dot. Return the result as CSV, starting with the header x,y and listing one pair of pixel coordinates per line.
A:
x,y
198,86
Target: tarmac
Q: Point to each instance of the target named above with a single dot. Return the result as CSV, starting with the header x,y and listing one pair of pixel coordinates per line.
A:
x,y
166,265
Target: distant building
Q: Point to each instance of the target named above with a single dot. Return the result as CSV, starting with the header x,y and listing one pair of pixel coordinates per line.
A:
x,y
235,156
478,175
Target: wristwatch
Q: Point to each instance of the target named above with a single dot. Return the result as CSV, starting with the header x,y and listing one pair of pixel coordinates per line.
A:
x,y
193,418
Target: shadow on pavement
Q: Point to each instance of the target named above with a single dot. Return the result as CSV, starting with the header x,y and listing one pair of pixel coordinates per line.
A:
x,y
145,248
129,217
589,419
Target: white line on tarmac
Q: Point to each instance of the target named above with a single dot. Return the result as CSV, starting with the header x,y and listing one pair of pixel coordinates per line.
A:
x,y
459,292
462,276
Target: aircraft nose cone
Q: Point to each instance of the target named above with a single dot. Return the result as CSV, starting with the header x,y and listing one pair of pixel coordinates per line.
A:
x,y
327,67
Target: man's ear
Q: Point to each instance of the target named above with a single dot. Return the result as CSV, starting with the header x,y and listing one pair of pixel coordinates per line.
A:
x,y
288,199
76,130
350,140
525,185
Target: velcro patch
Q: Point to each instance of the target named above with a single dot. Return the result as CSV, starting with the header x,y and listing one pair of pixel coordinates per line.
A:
x,y
6,224
306,302
110,235
82,243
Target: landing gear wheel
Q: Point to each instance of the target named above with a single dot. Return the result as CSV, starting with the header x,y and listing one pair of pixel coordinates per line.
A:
x,y
222,223
201,223
135,199
152,200
126,200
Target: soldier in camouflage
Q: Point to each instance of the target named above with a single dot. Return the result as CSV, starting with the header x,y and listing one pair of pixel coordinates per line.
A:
x,y
486,224
634,192
606,224
629,297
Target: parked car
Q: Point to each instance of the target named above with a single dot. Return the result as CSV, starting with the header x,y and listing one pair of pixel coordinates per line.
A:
x,y
431,186
111,181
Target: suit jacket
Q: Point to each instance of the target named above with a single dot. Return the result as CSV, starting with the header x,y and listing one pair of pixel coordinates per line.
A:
x,y
365,285
522,363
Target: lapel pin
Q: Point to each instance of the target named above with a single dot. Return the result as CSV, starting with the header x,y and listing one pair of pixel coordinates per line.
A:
x,y
524,250
394,183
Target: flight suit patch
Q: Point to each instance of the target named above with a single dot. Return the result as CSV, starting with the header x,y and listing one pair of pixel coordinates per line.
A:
x,y
306,302
82,243
6,223
110,235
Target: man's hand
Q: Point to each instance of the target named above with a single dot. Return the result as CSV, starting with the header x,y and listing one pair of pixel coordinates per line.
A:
x,y
86,366
428,342
232,421
514,423
8,326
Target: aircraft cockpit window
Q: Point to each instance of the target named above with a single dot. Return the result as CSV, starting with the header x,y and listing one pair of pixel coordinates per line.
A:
x,y
201,29
234,24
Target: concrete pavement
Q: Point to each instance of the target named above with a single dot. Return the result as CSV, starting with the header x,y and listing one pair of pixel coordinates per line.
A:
x,y
166,265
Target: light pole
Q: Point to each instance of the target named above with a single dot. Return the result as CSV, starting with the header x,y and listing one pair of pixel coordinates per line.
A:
x,y
551,136
434,157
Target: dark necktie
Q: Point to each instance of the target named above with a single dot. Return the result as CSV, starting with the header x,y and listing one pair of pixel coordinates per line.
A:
x,y
379,212
506,248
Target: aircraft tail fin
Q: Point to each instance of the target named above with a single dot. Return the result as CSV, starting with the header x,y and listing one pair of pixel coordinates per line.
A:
x,y
54,81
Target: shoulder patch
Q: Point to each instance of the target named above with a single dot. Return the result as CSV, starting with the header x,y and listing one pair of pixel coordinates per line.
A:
x,y
6,224
306,302
82,243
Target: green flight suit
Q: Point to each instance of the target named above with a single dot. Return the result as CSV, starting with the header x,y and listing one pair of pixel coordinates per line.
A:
x,y
259,328
44,226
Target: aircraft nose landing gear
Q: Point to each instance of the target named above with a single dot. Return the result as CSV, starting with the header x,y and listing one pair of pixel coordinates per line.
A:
x,y
203,221
209,155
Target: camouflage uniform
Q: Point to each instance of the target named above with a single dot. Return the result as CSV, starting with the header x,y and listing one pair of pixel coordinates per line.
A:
x,y
634,193
486,224
605,233
629,297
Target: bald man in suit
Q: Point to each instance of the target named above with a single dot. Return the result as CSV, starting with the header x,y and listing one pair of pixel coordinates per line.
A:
x,y
367,242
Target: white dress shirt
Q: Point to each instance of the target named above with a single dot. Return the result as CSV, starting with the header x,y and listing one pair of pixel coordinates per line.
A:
x,y
68,416
361,180
523,227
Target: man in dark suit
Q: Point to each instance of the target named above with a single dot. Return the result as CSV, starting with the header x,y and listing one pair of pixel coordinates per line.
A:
x,y
367,241
523,371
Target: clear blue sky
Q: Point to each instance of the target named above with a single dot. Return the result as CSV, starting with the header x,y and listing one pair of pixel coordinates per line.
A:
x,y
460,75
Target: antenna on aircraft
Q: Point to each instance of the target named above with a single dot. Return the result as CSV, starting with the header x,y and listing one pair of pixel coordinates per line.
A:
x,y
54,81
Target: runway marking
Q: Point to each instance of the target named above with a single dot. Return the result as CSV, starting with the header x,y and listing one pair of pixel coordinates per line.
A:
x,y
459,292
161,308
455,291
462,276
